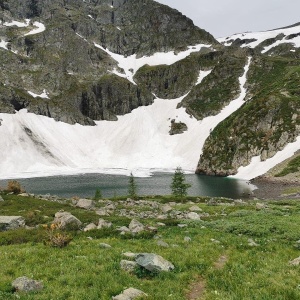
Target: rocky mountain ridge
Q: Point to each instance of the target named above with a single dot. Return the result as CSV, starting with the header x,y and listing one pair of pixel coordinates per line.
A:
x,y
85,61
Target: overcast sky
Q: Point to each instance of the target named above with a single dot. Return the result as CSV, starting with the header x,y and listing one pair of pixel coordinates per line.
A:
x,y
226,17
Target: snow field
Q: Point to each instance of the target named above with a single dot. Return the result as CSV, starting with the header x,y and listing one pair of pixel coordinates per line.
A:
x,y
40,26
131,64
263,35
258,167
43,95
138,142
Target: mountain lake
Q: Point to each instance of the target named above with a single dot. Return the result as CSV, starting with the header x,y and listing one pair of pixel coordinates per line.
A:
x,y
85,185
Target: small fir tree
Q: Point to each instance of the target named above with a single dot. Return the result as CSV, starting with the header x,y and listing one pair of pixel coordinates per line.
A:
x,y
178,186
132,187
98,194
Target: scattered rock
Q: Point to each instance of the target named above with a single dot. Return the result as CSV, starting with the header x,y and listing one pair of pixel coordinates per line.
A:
x,y
25,284
239,202
24,195
162,217
123,229
177,127
166,208
260,206
252,243
104,245
104,224
182,225
129,254
89,227
128,265
160,224
151,228
110,206
11,222
153,262
85,204
102,212
162,244
193,216
65,219
136,226
129,294
215,241
212,202
295,262
195,208
1,199
187,239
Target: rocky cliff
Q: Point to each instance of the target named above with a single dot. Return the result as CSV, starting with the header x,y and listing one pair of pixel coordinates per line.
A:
x,y
63,59
86,61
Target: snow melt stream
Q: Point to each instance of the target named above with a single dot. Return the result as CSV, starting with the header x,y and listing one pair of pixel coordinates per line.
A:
x,y
33,146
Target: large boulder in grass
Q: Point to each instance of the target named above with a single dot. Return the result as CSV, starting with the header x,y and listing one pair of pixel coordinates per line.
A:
x,y
1,199
85,204
65,219
129,294
153,262
104,224
25,284
136,226
11,222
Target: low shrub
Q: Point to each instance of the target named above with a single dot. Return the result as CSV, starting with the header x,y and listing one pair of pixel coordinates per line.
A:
x,y
15,187
55,237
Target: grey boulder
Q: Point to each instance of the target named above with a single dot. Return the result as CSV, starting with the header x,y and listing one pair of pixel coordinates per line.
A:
x,y
25,284
64,219
153,262
11,222
129,294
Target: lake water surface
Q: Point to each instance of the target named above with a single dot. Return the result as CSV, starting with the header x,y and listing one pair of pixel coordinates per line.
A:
x,y
84,185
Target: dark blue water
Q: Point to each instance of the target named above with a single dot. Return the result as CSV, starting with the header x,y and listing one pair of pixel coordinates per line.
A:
x,y
117,185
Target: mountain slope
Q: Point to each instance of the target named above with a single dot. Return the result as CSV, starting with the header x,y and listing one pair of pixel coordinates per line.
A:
x,y
267,122
63,59
277,41
111,64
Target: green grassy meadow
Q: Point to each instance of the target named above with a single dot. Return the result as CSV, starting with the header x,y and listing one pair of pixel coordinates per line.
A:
x,y
218,257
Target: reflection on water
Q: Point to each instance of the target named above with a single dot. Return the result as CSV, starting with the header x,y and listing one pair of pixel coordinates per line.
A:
x,y
116,185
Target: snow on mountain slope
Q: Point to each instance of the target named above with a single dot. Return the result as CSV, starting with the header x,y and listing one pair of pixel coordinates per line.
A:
x,y
258,167
40,27
43,95
131,64
253,39
3,44
202,75
34,145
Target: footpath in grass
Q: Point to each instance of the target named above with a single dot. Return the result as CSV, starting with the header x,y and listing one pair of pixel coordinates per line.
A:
x,y
236,250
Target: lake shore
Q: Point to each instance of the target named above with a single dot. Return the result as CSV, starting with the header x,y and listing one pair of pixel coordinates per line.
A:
x,y
276,188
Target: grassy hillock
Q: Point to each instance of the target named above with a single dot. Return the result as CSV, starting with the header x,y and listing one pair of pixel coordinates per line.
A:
x,y
236,251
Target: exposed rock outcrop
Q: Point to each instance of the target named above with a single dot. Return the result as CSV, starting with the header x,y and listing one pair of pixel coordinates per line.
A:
x,y
11,222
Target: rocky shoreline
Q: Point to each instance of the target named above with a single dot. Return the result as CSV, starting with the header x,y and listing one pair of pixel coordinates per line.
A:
x,y
276,188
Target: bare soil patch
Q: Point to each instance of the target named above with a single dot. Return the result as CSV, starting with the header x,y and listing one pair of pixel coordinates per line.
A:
x,y
197,289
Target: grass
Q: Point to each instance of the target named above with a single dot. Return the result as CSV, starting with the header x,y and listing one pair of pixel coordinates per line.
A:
x,y
292,167
84,270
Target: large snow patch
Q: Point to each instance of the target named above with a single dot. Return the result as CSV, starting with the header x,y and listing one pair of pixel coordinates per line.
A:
x,y
33,145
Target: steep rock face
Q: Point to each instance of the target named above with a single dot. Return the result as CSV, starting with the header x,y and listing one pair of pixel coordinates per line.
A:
x,y
64,61
178,79
112,96
219,87
264,125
